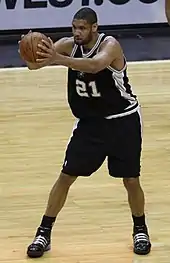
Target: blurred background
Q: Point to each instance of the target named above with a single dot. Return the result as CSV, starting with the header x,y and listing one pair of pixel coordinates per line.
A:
x,y
140,25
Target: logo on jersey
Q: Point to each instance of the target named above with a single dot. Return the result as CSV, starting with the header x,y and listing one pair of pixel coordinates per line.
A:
x,y
80,74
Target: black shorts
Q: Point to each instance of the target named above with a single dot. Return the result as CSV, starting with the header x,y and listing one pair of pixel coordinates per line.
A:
x,y
119,140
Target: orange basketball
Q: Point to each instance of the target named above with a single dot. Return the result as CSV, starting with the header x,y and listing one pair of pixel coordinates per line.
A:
x,y
28,46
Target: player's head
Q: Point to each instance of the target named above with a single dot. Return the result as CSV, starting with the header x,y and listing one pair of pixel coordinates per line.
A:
x,y
84,25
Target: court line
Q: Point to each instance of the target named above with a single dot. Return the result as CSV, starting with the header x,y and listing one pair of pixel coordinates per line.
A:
x,y
129,63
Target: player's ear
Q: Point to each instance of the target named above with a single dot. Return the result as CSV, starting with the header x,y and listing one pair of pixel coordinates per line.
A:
x,y
94,27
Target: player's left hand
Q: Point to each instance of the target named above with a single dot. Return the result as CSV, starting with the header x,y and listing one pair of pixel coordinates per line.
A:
x,y
47,52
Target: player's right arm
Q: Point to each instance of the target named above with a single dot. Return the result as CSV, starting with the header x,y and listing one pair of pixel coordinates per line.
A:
x,y
167,10
63,46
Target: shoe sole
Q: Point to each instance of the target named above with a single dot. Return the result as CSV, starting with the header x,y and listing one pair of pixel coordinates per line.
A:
x,y
142,252
38,254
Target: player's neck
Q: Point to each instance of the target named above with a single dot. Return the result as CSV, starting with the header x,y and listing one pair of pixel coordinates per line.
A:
x,y
91,44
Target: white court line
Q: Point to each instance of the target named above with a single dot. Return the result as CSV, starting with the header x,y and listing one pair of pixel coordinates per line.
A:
x,y
25,68
148,62
129,63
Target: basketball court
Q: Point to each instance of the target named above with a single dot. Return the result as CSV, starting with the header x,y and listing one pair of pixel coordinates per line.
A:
x,y
95,225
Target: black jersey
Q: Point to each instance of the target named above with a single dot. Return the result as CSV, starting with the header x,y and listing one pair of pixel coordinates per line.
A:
x,y
106,94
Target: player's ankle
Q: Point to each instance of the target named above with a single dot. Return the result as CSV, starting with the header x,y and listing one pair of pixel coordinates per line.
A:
x,y
139,220
47,222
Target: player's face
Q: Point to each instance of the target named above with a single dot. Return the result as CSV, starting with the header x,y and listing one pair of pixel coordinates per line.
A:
x,y
82,31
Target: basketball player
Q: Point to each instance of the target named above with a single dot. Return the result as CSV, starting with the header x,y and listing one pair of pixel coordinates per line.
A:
x,y
108,123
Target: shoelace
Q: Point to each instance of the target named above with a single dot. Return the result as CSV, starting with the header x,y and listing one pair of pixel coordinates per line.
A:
x,y
141,237
40,240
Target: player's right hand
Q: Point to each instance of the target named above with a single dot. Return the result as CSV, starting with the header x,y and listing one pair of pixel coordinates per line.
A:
x,y
21,39
31,66
24,35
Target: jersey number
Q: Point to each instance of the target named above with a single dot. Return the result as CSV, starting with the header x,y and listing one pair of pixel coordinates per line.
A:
x,y
81,88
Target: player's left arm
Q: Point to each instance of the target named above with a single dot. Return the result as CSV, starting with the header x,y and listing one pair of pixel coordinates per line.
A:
x,y
167,10
109,50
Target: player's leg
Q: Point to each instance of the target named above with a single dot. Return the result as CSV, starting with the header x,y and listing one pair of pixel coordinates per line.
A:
x,y
56,201
126,165
84,155
136,201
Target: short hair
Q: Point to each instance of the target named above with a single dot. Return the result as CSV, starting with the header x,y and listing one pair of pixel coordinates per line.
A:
x,y
87,14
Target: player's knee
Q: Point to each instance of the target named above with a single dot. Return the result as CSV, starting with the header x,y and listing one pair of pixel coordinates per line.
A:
x,y
66,180
131,184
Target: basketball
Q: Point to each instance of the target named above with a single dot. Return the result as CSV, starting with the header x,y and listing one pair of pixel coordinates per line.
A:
x,y
28,46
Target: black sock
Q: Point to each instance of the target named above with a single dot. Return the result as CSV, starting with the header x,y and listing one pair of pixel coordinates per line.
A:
x,y
139,220
47,222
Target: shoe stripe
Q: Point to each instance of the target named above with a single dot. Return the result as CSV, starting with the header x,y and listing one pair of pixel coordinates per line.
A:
x,y
141,237
40,240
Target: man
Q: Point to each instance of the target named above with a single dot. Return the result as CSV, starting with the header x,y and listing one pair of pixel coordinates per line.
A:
x,y
108,125
167,10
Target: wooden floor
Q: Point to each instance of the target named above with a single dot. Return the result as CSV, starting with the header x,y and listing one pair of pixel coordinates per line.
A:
x,y
95,225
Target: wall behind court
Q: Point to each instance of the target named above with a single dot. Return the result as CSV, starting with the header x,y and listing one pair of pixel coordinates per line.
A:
x,y
132,22
26,14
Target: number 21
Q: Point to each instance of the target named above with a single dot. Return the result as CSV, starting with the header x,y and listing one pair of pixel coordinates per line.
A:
x,y
81,88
